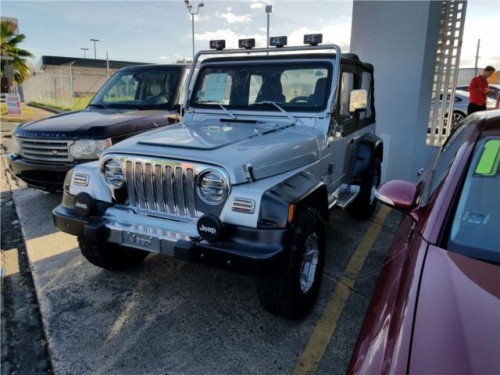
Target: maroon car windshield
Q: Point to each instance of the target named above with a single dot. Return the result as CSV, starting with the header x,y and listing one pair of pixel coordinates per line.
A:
x,y
475,227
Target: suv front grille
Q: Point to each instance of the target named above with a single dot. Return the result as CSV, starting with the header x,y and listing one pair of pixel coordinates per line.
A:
x,y
161,187
45,150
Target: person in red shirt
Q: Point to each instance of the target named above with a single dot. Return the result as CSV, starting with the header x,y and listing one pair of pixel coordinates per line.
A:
x,y
479,90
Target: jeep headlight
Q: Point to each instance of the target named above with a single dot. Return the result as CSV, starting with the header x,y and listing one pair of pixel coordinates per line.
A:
x,y
112,172
89,148
212,187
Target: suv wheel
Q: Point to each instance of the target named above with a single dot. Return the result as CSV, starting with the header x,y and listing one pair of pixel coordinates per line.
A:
x,y
365,203
292,290
110,256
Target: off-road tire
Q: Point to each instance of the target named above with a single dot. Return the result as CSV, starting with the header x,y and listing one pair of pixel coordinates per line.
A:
x,y
365,203
280,292
110,256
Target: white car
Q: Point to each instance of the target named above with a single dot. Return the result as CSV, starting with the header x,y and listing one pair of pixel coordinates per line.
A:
x,y
460,103
494,90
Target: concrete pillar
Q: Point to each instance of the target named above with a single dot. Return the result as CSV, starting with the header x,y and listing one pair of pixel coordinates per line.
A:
x,y
399,38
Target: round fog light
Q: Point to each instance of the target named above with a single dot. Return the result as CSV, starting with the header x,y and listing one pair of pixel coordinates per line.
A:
x,y
83,204
209,227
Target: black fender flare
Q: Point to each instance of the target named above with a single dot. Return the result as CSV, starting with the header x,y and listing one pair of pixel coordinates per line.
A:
x,y
370,147
302,190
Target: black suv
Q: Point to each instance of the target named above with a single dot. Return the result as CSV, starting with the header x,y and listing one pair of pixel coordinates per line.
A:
x,y
135,99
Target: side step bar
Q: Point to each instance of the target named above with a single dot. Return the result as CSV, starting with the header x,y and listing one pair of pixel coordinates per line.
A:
x,y
344,195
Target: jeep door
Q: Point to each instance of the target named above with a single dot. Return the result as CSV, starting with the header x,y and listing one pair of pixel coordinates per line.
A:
x,y
342,132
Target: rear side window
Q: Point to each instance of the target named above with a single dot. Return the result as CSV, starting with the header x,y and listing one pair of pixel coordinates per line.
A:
x,y
367,84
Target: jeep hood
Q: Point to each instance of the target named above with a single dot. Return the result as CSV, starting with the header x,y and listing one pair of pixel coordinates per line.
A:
x,y
271,148
91,123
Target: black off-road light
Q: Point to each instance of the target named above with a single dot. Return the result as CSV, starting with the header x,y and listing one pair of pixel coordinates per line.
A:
x,y
218,44
278,41
313,39
246,43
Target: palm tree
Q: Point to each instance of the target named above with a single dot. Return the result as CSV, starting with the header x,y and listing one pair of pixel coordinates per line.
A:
x,y
9,48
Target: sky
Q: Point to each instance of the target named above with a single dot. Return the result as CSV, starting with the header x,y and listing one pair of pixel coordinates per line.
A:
x,y
161,31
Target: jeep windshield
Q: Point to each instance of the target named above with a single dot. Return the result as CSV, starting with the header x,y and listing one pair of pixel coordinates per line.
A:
x,y
139,89
301,87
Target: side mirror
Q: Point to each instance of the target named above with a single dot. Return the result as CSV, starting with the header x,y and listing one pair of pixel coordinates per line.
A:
x,y
401,195
358,101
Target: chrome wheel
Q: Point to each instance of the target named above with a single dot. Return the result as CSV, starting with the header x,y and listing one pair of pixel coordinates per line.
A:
x,y
457,117
310,261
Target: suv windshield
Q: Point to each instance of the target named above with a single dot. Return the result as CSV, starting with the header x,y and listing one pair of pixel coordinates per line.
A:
x,y
141,89
474,231
294,86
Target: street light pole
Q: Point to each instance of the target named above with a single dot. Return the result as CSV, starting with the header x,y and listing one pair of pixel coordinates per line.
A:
x,y
269,9
95,50
193,13
84,52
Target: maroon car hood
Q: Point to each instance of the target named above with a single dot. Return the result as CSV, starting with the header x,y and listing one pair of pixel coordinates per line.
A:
x,y
457,326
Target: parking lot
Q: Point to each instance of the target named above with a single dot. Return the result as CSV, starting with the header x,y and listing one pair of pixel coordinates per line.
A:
x,y
167,316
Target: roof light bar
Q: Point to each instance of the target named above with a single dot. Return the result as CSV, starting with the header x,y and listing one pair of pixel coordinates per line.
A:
x,y
278,41
246,43
313,39
218,44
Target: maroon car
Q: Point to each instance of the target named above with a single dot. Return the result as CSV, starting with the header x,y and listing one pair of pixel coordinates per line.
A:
x,y
436,307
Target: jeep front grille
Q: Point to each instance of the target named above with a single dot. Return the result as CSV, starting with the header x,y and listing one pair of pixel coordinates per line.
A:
x,y
161,187
45,150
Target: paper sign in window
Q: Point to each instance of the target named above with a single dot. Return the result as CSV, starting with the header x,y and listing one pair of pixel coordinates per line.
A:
x,y
490,158
215,87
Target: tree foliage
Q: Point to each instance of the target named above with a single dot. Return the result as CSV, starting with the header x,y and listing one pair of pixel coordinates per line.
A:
x,y
10,48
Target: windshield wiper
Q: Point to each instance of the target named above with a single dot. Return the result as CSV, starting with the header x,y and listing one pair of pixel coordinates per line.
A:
x,y
277,106
97,105
125,105
228,112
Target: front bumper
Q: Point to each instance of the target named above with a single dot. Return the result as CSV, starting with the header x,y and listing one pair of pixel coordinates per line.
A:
x,y
242,250
42,176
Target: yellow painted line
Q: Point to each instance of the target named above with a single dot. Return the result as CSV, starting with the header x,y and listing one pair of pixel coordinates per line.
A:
x,y
10,262
120,321
50,245
320,338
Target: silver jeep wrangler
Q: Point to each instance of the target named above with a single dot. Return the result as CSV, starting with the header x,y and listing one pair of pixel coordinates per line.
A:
x,y
270,141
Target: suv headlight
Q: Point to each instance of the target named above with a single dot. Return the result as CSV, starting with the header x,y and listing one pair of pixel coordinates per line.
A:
x,y
212,187
14,145
112,172
89,148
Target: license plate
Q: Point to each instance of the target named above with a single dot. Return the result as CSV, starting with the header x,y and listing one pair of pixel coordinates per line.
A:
x,y
141,241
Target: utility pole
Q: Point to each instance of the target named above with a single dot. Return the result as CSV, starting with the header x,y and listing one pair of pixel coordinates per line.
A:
x,y
192,12
269,9
477,55
95,50
107,64
84,52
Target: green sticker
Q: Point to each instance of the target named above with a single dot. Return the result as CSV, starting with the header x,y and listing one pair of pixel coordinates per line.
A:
x,y
490,158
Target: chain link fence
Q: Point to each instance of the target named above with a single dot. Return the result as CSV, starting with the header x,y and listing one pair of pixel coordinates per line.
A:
x,y
63,86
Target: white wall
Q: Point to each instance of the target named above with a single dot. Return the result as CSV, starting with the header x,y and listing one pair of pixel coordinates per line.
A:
x,y
399,38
